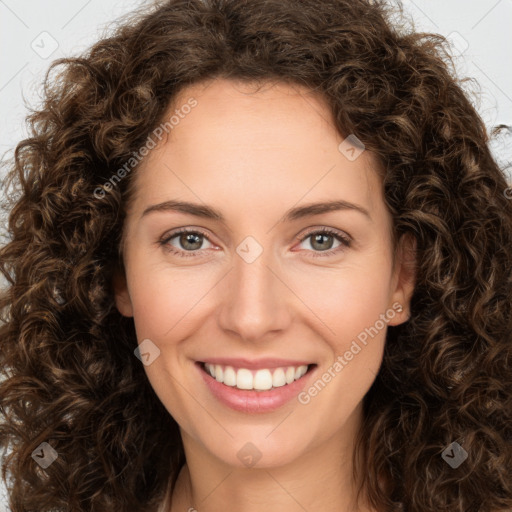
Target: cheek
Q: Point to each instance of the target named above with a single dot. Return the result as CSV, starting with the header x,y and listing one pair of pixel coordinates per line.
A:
x,y
355,335
346,300
361,302
164,298
352,307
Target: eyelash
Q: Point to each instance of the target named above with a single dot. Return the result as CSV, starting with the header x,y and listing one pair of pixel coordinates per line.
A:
x,y
345,242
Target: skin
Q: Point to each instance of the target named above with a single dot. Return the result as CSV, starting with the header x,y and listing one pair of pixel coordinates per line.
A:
x,y
252,155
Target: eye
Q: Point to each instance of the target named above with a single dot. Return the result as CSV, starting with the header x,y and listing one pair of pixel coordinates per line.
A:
x,y
190,240
321,241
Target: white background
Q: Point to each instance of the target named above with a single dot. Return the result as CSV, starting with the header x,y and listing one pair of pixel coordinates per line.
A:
x,y
480,31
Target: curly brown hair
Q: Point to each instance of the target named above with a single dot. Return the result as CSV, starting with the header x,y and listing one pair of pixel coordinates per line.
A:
x,y
67,354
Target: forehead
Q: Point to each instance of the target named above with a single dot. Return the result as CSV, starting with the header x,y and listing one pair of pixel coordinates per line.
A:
x,y
239,140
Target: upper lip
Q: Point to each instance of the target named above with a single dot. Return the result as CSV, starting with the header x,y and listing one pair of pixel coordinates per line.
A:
x,y
254,364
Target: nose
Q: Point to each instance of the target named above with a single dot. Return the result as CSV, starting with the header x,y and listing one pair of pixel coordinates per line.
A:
x,y
256,301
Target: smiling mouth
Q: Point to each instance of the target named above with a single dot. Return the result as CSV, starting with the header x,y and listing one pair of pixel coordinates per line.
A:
x,y
263,379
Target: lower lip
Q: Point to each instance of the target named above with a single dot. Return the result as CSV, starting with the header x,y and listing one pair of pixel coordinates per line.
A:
x,y
254,402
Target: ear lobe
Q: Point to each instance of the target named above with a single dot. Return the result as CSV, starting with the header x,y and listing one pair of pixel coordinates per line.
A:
x,y
405,278
121,294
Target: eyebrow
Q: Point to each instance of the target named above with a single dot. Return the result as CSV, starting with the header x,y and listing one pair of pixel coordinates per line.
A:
x,y
299,212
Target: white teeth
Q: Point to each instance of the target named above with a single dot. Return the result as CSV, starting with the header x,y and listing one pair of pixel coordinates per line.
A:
x,y
229,376
244,379
278,379
261,380
300,371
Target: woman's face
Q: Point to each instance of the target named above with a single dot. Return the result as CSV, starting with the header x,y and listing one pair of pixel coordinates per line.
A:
x,y
254,289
